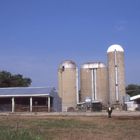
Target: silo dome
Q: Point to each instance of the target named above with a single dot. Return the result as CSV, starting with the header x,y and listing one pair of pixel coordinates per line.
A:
x,y
91,65
68,64
114,47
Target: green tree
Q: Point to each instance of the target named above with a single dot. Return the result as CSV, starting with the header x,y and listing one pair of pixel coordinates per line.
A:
x,y
9,80
133,89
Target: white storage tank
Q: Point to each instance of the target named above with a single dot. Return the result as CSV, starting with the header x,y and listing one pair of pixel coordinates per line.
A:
x,y
116,74
94,82
68,85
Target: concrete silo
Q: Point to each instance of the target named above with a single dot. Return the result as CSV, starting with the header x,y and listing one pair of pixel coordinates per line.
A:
x,y
94,82
68,85
116,74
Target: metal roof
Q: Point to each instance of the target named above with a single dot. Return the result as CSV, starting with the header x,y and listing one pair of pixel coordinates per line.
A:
x,y
136,97
93,65
26,91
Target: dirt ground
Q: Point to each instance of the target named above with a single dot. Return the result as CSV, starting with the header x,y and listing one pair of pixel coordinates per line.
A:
x,y
67,127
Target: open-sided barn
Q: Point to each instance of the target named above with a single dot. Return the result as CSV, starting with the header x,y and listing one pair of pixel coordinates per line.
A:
x,y
30,99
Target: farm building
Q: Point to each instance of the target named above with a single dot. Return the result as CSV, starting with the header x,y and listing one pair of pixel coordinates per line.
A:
x,y
136,101
27,99
97,86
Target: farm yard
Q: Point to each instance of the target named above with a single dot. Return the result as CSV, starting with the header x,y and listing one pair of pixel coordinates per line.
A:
x,y
20,127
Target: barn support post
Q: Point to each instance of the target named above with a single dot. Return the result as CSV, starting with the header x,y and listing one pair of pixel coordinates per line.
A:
x,y
31,104
49,103
13,104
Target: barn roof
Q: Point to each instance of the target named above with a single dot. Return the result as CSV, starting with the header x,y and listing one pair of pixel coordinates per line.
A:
x,y
136,97
26,91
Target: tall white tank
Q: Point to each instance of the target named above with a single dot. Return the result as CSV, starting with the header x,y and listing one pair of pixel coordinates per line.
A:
x,y
94,82
68,85
116,74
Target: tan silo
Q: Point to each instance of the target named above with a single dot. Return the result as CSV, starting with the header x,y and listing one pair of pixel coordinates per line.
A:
x,y
94,82
68,85
116,74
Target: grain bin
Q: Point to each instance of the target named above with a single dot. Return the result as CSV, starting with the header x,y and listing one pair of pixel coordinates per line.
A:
x,y
68,85
116,74
94,82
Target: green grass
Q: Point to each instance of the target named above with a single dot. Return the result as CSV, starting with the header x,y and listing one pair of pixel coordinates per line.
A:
x,y
69,128
21,134
64,124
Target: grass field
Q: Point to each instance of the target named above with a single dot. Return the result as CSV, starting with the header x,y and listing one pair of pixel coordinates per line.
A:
x,y
69,128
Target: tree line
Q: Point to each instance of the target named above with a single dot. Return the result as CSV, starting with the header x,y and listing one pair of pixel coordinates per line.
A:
x,y
133,89
13,80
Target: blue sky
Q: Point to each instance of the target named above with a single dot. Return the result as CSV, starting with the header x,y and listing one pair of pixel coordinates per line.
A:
x,y
37,35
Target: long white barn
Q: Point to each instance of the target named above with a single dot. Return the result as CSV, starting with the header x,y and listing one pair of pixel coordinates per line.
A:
x,y
30,99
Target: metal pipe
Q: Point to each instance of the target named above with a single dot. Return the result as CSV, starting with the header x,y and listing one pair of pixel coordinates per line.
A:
x,y
116,77
95,84
77,87
92,85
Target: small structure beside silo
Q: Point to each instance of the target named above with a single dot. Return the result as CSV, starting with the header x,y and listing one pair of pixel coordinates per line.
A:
x,y
136,102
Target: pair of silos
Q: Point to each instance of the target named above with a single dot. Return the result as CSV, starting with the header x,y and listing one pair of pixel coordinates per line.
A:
x,y
105,84
97,82
93,83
